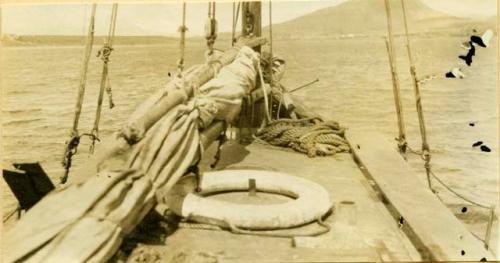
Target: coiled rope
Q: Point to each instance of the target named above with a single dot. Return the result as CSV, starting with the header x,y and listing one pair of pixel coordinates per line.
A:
x,y
310,136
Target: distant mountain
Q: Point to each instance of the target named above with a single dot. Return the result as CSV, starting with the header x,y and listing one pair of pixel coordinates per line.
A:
x,y
368,18
354,18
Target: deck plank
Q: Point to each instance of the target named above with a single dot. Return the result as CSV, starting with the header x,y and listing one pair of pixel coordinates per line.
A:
x,y
436,228
363,232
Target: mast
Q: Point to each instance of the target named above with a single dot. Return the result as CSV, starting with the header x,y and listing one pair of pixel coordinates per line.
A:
x,y
252,112
395,80
251,22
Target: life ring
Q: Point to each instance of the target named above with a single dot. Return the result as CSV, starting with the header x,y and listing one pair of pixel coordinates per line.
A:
x,y
310,201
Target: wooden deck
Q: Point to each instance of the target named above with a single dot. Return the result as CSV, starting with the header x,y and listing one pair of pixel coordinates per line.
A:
x,y
430,224
362,227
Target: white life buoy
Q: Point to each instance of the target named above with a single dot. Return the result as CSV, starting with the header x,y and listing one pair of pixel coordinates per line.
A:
x,y
310,202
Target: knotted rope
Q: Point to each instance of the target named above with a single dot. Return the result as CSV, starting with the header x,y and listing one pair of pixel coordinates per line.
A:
x,y
72,149
104,52
310,136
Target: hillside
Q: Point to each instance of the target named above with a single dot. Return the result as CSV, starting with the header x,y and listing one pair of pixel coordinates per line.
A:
x,y
367,18
354,18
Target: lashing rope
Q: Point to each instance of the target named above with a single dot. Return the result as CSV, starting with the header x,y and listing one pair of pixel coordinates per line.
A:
x,y
104,53
71,150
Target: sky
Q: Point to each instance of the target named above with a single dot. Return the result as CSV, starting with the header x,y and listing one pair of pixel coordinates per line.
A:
x,y
165,18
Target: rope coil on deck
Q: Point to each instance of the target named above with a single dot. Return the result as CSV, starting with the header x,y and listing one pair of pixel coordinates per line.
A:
x,y
310,136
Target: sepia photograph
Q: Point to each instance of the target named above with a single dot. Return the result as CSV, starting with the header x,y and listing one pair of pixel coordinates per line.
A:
x,y
256,131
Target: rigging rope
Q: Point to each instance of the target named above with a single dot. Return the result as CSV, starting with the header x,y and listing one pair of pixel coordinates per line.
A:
x,y
211,28
182,30
448,187
402,144
235,21
264,89
425,152
491,208
418,101
104,53
271,82
74,140
232,25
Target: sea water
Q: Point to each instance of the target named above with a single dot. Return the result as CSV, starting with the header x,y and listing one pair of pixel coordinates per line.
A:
x,y
39,87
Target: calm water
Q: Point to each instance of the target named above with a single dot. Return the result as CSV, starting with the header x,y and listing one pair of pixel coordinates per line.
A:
x,y
39,90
